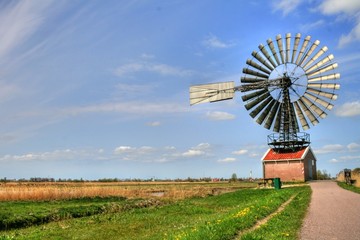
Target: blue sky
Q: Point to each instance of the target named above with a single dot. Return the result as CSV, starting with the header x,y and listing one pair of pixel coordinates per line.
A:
x,y
99,89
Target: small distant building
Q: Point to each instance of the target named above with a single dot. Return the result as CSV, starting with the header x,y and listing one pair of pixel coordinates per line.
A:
x,y
298,165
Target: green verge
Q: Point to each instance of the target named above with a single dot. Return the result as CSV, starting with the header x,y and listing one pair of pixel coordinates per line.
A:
x,y
349,187
19,214
286,224
213,217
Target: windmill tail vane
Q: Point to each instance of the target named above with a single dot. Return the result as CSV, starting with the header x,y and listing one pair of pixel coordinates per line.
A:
x,y
288,83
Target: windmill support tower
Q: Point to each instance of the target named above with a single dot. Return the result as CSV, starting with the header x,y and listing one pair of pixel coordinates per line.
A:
x,y
288,83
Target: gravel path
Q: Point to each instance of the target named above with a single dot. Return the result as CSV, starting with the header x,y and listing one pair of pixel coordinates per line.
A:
x,y
334,213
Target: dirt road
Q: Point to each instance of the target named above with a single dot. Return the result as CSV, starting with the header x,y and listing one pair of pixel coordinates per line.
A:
x,y
334,213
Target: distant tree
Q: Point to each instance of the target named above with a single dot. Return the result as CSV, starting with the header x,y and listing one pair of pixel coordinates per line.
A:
x,y
323,175
233,177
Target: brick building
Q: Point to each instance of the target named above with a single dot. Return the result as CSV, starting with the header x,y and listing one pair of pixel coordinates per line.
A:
x,y
290,166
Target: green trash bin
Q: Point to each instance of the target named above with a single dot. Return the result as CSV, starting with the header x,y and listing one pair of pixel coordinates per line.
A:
x,y
277,183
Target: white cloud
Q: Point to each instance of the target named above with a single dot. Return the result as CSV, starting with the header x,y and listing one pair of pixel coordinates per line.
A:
x,y
336,6
199,150
193,153
153,124
285,6
219,116
353,146
123,149
334,160
240,152
212,41
348,109
329,149
226,160
351,10
158,68
202,146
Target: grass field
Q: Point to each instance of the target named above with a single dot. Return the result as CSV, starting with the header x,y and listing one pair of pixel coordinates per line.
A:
x,y
211,216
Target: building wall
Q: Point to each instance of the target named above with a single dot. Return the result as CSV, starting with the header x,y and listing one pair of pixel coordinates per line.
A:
x,y
310,163
285,170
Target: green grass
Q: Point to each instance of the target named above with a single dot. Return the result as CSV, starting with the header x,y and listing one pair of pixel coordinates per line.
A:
x,y
18,214
286,224
349,187
213,217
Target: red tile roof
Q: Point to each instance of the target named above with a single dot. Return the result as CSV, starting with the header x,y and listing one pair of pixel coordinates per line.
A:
x,y
271,155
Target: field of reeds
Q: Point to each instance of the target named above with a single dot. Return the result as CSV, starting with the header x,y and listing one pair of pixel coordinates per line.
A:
x,y
17,191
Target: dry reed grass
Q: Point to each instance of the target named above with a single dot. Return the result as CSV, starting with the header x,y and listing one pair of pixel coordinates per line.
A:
x,y
60,191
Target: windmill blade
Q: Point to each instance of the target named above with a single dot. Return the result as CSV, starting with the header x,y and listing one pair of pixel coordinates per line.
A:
x,y
296,45
255,73
322,62
273,50
253,95
212,92
327,95
266,111
262,60
260,107
257,100
301,117
278,119
302,50
325,85
325,78
257,66
288,41
252,80
280,47
316,56
266,54
307,112
322,102
309,52
271,115
313,107
324,69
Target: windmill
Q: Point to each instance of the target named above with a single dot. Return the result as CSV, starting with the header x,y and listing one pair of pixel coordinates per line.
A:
x,y
288,84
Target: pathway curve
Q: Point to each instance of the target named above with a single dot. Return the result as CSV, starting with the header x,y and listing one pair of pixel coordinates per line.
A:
x,y
334,213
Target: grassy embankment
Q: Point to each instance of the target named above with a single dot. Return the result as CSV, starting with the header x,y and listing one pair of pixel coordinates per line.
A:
x,y
349,187
222,216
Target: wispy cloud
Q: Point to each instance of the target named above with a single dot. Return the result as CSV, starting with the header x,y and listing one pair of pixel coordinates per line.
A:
x,y
227,160
61,154
133,107
240,152
349,109
153,124
285,6
151,67
311,26
19,20
329,149
212,41
219,116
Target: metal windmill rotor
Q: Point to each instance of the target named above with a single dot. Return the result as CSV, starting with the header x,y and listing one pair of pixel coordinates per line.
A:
x,y
288,83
